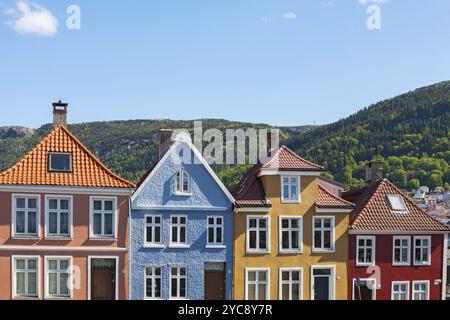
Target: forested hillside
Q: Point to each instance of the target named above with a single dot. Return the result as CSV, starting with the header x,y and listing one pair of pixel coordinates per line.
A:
x,y
410,133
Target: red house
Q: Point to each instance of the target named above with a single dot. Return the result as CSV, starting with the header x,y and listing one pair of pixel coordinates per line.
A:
x,y
396,250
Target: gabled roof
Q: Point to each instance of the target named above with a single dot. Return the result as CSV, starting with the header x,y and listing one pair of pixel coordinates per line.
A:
x,y
372,212
249,192
87,170
325,199
154,168
287,160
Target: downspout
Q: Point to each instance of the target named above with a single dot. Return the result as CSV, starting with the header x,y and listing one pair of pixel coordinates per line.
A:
x,y
444,267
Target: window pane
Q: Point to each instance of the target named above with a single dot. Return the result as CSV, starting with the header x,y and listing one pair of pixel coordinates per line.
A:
x,y
20,264
53,204
97,223
97,205
108,224
182,234
210,235
263,240
252,223
294,192
32,286
261,292
32,203
32,264
251,292
285,292
285,223
52,223
64,204
174,288
52,283
252,276
174,234
60,162
108,205
295,275
262,223
63,265
295,292
295,240
149,234
148,288
20,203
219,235
182,287
157,234
157,288
53,265
327,239
285,276
64,222
64,289
317,239
183,271
20,222
32,222
183,220
285,240
262,276
20,282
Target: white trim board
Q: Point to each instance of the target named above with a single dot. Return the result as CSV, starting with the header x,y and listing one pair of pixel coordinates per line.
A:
x,y
198,155
62,249
65,190
180,208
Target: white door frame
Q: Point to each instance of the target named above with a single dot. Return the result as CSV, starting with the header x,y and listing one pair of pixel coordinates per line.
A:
x,y
116,258
332,278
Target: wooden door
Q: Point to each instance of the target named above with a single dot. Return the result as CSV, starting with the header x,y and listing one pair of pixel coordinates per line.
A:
x,y
215,282
103,281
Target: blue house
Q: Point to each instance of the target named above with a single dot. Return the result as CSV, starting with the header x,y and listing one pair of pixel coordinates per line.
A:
x,y
181,236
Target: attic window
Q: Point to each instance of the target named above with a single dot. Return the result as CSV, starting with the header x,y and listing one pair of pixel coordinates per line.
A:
x,y
396,202
60,162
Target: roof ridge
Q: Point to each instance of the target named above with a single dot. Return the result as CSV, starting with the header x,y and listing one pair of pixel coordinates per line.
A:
x,y
301,158
81,145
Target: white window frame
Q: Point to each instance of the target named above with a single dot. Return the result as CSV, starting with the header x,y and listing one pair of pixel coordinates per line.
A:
x,y
285,200
400,283
178,277
407,263
178,226
373,248
332,235
290,282
69,218
153,277
427,282
51,170
215,226
14,277
421,263
153,225
13,216
93,236
268,231
47,271
374,287
332,287
290,230
179,183
247,282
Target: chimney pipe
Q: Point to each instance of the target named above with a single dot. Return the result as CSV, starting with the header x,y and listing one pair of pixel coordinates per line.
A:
x,y
374,171
59,113
164,141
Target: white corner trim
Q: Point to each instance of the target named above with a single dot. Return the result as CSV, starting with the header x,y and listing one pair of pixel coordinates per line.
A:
x,y
444,267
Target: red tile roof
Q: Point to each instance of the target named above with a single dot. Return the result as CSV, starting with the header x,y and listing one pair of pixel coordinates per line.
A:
x,y
325,199
288,160
87,170
250,192
372,212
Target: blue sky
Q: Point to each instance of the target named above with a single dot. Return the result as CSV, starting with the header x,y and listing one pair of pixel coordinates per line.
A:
x,y
283,62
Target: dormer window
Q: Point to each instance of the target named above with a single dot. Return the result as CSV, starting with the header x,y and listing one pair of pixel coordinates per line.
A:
x,y
182,182
59,162
396,202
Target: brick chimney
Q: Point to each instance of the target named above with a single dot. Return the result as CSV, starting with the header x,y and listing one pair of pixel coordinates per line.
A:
x,y
374,171
59,113
164,141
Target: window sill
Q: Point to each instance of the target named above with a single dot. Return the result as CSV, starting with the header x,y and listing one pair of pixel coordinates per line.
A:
x,y
153,299
424,264
58,298
257,252
216,246
361,264
154,246
26,238
25,298
178,299
323,251
291,201
103,238
182,194
396,264
290,252
179,246
58,238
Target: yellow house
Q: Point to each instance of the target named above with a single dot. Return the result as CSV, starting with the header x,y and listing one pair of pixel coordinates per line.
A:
x,y
291,233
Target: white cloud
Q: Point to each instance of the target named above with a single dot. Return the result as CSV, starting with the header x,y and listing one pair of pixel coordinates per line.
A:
x,y
32,18
289,16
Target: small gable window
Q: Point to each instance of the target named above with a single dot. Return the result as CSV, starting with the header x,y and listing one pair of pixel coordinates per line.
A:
x,y
396,202
182,182
59,162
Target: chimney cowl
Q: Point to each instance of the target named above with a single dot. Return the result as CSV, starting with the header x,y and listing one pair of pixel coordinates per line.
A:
x,y
374,170
164,141
59,113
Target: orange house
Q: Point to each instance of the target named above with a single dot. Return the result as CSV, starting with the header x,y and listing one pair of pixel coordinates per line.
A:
x,y
63,223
